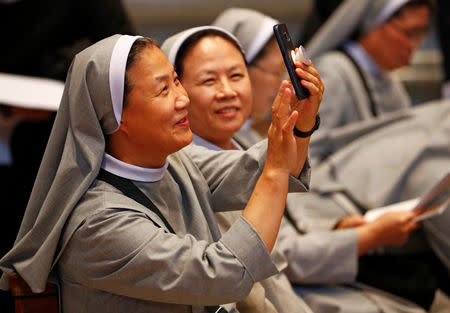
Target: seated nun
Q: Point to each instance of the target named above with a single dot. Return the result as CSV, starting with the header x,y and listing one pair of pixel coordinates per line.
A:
x,y
355,52
312,254
212,68
122,210
27,106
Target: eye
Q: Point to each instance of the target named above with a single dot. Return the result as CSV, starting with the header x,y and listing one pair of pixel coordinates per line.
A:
x,y
163,90
237,76
208,81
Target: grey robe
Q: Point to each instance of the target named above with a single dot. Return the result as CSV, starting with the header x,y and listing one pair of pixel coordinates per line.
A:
x,y
413,152
346,101
115,259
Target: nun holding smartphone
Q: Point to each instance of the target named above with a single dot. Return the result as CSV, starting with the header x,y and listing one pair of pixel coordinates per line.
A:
x,y
122,210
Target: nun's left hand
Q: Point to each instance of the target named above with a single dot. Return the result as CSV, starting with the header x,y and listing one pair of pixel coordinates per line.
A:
x,y
308,107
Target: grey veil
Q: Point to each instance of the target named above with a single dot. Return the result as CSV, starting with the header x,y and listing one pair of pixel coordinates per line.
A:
x,y
252,28
91,106
351,16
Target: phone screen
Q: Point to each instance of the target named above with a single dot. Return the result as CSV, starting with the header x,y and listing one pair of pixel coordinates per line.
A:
x,y
286,46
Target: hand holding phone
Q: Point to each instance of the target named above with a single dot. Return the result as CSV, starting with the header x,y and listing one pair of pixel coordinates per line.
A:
x,y
290,56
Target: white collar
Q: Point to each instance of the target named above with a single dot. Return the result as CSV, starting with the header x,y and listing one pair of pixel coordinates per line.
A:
x,y
362,58
133,172
199,141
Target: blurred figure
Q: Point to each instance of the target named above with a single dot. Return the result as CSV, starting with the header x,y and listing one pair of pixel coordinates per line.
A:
x,y
40,38
27,107
357,48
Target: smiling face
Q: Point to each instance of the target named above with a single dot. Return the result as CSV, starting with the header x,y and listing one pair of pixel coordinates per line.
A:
x,y
216,80
154,119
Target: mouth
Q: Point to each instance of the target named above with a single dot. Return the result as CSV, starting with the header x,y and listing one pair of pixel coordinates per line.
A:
x,y
183,122
228,111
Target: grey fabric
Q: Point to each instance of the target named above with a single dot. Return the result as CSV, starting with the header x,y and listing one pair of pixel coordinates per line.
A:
x,y
322,264
70,164
132,263
354,298
350,16
412,154
252,28
312,256
345,99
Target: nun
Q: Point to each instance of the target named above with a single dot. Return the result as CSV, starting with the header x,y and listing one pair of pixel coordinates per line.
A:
x,y
212,68
355,51
311,255
121,213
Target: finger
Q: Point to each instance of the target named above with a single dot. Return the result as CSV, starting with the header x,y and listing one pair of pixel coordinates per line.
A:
x,y
305,75
285,103
313,89
277,100
290,123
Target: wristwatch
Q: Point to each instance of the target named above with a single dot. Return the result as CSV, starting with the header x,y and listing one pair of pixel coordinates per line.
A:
x,y
301,134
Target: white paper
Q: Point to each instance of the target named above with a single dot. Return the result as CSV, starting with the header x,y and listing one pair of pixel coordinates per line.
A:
x,y
434,202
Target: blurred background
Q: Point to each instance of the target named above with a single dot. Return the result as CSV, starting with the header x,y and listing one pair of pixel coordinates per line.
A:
x,y
162,18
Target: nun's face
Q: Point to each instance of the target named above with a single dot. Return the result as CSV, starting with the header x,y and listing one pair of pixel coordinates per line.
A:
x,y
154,118
216,80
392,44
266,74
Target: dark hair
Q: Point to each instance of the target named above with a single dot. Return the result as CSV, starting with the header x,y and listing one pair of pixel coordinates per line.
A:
x,y
189,43
137,47
263,52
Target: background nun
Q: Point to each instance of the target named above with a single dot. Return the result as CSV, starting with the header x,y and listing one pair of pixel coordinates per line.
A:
x,y
156,247
357,47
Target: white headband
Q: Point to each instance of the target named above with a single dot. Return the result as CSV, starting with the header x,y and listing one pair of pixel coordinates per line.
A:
x,y
117,68
261,38
181,39
388,11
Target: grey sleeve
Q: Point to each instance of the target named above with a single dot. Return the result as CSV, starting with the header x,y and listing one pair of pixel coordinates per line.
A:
x,y
232,175
319,257
122,252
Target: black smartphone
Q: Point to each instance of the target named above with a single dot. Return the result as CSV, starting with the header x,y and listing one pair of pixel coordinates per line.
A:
x,y
286,46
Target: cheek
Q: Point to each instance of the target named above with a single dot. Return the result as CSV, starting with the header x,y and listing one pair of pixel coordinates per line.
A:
x,y
200,102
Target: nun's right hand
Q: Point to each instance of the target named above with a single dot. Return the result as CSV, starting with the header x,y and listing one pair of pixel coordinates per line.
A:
x,y
282,147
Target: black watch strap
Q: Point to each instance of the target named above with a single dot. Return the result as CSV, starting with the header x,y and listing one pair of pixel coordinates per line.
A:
x,y
301,134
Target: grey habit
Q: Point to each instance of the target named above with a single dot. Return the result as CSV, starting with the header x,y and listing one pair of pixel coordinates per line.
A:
x,y
322,264
105,247
346,99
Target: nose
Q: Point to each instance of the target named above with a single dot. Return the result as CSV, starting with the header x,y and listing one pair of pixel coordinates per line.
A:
x,y
182,100
225,89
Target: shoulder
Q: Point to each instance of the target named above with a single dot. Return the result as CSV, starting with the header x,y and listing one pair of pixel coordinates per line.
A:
x,y
334,64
